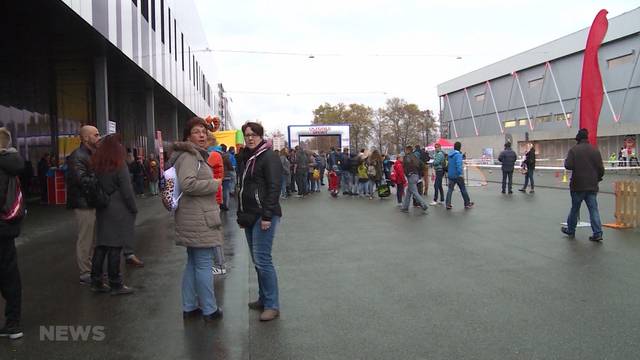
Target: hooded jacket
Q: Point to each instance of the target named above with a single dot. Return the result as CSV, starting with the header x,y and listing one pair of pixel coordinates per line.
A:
x,y
585,163
455,165
260,185
11,164
77,174
438,160
197,218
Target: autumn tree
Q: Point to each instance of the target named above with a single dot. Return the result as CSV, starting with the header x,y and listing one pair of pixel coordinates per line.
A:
x,y
358,116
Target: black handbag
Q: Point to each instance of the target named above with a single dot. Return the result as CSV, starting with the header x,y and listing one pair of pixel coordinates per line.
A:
x,y
247,220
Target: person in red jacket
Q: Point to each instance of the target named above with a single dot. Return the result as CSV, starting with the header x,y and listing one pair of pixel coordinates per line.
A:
x,y
334,181
397,176
217,167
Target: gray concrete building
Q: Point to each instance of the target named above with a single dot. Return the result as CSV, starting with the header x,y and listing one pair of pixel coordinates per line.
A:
x,y
533,97
133,66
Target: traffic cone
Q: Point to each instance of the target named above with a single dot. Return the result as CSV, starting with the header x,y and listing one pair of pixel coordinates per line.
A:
x,y
564,177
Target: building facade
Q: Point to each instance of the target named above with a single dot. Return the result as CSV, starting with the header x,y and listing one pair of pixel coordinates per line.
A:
x,y
534,96
135,67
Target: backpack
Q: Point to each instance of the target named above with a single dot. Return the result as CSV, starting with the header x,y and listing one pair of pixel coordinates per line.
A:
x,y
384,190
13,209
371,171
316,174
95,194
362,171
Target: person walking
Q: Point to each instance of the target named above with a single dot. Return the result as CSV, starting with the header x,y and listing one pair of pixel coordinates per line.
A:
x,y
116,222
11,166
455,175
197,220
43,168
508,159
78,175
529,165
585,162
259,214
413,169
438,167
137,171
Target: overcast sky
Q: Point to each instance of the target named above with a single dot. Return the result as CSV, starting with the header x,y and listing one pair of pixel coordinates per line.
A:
x,y
343,36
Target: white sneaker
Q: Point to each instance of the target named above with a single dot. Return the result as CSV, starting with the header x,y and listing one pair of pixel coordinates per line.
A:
x,y
433,203
217,271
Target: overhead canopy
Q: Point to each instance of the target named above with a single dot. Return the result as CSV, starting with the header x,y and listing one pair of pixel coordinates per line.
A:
x,y
444,143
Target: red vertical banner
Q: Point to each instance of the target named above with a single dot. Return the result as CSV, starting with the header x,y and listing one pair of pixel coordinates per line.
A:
x,y
591,86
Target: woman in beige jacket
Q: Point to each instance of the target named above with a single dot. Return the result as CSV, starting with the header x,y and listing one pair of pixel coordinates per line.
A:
x,y
197,220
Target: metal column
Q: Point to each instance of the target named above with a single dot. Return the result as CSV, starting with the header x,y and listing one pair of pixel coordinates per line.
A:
x,y
102,93
150,120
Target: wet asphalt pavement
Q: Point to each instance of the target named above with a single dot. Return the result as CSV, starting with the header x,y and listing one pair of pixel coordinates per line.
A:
x,y
358,280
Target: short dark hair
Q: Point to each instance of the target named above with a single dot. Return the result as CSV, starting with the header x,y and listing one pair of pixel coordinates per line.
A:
x,y
408,148
457,145
223,147
191,123
255,127
507,144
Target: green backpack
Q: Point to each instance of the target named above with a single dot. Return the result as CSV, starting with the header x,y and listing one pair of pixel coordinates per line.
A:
x,y
362,171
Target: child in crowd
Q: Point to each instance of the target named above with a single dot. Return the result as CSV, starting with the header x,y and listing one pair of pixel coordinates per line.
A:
x,y
333,181
398,177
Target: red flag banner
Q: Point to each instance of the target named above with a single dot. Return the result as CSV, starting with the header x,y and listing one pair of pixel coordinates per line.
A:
x,y
591,86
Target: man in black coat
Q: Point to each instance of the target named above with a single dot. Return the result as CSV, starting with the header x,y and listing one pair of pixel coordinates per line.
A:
x,y
585,162
78,175
508,159
11,165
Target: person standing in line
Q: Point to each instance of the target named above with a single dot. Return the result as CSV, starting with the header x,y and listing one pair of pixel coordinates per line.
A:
x,y
116,222
216,163
43,167
375,171
227,181
197,220
234,163
323,166
11,165
78,175
301,169
286,173
398,177
259,214
138,174
438,167
345,172
456,177
413,171
508,159
530,165
153,172
585,162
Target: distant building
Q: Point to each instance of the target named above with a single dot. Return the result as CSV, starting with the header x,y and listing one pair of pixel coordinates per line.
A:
x,y
278,140
533,96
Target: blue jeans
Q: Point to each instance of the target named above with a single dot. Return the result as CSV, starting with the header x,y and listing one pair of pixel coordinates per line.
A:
x,y
346,181
260,244
197,281
412,191
227,185
283,187
528,176
363,187
590,198
463,190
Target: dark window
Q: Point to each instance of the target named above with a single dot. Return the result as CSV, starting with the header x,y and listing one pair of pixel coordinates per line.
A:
x,y
193,64
189,62
153,14
162,20
169,31
175,39
182,49
144,8
135,2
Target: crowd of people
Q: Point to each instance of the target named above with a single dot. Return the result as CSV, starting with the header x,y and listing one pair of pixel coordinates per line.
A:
x,y
101,191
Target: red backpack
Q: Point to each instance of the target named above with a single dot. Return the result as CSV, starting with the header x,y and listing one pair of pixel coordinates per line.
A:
x,y
13,209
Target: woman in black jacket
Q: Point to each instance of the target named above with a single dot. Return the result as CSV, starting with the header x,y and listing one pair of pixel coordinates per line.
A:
x,y
259,213
529,165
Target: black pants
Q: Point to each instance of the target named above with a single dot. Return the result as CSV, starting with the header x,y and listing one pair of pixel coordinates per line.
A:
x,y
10,284
437,187
507,176
301,182
113,265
